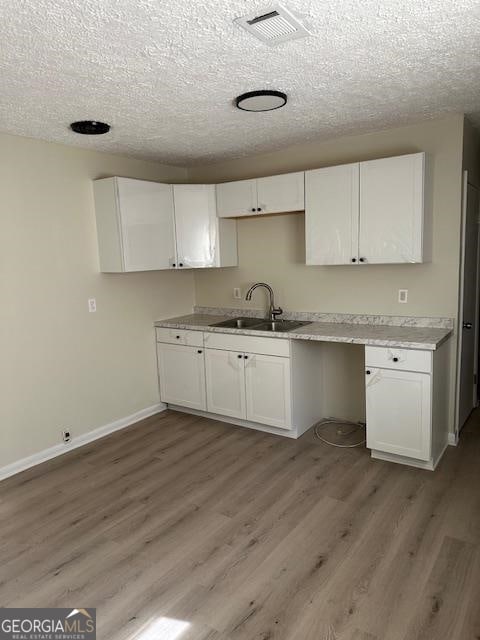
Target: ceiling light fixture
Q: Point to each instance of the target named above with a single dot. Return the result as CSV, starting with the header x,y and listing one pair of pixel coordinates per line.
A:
x,y
264,100
90,127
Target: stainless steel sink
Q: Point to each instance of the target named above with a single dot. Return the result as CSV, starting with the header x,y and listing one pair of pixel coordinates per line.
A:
x,y
237,323
260,325
279,325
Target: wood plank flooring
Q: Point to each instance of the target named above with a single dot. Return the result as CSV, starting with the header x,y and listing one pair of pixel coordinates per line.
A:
x,y
183,528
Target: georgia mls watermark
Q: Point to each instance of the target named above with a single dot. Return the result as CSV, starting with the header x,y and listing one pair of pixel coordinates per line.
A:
x,y
48,624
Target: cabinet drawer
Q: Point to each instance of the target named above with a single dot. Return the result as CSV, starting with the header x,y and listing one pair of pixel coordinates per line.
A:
x,y
248,344
399,359
180,336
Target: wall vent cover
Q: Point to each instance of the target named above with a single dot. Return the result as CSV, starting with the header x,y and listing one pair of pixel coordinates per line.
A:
x,y
273,25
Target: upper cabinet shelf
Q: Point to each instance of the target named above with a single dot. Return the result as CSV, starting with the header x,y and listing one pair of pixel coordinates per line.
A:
x,y
367,212
145,226
274,194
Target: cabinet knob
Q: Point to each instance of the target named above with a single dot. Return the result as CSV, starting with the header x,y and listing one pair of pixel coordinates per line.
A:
x,y
395,359
239,355
362,260
259,208
368,372
199,351
354,259
180,264
173,264
253,208
246,357
177,337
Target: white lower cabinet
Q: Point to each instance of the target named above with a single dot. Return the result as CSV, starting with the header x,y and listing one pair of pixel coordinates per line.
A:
x,y
267,384
399,412
225,383
407,404
181,371
249,386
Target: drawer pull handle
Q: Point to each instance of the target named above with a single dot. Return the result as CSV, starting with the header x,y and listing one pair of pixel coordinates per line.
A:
x,y
368,372
395,359
199,351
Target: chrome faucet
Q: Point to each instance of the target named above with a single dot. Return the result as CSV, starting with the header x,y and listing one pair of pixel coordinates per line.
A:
x,y
272,310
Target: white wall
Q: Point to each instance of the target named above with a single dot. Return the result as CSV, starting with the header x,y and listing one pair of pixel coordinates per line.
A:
x,y
60,365
272,248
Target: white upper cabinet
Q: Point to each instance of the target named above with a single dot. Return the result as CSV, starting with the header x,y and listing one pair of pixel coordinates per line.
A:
x,y
143,226
235,199
203,240
367,212
135,224
274,194
279,194
392,209
331,214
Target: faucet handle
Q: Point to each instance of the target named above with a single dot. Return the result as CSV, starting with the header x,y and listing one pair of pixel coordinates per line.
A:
x,y
277,311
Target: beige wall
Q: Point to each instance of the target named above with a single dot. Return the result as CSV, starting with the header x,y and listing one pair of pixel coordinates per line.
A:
x,y
272,248
60,365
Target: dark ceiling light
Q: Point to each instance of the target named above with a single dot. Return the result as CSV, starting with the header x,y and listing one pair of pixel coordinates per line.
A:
x,y
264,100
90,127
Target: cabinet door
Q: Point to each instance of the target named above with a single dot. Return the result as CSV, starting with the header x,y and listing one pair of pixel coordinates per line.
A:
x,y
195,224
278,194
235,199
148,233
225,372
181,372
331,215
267,381
399,412
392,209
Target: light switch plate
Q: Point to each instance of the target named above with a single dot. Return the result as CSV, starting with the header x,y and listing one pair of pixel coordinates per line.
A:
x,y
92,305
237,293
403,295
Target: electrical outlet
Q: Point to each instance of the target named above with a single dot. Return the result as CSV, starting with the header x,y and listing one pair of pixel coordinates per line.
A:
x,y
403,295
92,305
66,435
237,294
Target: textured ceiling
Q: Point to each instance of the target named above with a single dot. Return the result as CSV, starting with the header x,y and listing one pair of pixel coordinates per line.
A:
x,y
163,73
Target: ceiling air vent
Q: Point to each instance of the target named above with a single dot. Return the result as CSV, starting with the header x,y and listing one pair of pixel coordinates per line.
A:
x,y
273,26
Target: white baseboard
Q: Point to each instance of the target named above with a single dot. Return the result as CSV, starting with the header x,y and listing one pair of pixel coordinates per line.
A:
x,y
429,465
79,441
452,439
287,433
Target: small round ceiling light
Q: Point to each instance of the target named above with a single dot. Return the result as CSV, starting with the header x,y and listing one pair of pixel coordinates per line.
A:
x,y
90,127
264,100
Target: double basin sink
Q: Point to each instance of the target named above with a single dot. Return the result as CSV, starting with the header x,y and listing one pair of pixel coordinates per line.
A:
x,y
257,324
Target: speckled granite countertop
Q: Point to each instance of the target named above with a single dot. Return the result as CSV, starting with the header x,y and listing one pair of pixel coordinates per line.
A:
x,y
379,335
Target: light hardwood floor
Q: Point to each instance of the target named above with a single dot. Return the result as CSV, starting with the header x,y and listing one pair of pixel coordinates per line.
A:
x,y
246,536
